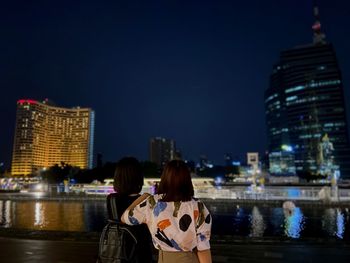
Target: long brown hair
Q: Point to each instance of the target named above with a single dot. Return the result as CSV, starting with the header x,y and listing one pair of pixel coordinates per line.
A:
x,y
175,182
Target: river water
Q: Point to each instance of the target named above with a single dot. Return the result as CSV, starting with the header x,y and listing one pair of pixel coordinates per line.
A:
x,y
228,219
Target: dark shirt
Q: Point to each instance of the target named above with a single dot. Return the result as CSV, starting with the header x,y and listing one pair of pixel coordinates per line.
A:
x,y
116,205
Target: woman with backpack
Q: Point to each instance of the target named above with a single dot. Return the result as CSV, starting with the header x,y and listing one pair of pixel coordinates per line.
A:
x,y
128,182
180,225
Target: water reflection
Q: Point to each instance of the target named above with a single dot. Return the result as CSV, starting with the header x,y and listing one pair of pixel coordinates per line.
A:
x,y
340,224
228,219
277,221
95,215
293,222
257,223
334,222
5,213
39,214
45,215
241,224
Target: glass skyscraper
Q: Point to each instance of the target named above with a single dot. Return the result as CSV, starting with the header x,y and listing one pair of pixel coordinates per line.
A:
x,y
305,108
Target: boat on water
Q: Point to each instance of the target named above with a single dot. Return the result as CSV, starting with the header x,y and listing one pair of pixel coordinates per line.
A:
x,y
8,185
105,188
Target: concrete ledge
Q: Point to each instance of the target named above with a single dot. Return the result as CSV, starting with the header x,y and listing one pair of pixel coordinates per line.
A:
x,y
216,239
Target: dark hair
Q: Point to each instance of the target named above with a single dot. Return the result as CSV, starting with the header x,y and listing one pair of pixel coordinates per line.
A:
x,y
175,182
128,176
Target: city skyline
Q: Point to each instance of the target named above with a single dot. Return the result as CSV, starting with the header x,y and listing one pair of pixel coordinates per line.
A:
x,y
193,73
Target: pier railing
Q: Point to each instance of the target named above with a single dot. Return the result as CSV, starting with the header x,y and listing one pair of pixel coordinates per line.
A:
x,y
306,193
276,193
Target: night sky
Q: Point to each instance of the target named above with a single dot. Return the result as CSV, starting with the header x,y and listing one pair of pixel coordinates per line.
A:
x,y
194,71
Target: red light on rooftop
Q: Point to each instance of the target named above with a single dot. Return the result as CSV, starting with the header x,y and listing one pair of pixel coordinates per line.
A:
x,y
27,101
316,26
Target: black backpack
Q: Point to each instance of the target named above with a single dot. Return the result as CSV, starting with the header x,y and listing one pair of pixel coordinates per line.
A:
x,y
117,244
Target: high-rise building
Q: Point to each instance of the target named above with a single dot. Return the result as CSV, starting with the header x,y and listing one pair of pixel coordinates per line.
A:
x,y
162,150
305,108
228,159
46,135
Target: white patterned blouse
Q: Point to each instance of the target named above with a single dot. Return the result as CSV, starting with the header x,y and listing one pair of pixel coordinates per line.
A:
x,y
174,226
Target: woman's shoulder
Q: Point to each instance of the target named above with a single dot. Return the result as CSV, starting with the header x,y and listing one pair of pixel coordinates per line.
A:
x,y
157,198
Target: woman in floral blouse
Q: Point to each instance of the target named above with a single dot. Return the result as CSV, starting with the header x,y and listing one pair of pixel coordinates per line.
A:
x,y
180,225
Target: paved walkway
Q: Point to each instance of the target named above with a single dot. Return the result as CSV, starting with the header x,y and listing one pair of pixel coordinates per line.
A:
x,y
68,251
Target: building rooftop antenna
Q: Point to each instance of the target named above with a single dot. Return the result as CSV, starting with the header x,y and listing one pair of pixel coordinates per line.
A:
x,y
319,36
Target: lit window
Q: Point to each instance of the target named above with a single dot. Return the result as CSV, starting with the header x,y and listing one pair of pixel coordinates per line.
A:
x,y
271,97
294,89
291,98
321,67
325,83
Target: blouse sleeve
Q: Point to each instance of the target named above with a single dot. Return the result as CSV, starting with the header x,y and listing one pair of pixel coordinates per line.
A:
x,y
203,227
138,215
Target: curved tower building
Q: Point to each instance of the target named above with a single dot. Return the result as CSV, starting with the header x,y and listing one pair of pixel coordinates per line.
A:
x,y
46,135
305,107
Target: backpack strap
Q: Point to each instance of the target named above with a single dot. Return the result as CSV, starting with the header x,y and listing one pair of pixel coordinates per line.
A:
x,y
112,209
116,205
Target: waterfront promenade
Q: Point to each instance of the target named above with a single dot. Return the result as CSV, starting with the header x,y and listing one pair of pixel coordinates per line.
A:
x,y
68,250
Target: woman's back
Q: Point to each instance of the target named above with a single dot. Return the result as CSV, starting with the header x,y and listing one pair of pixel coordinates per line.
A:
x,y
174,226
116,205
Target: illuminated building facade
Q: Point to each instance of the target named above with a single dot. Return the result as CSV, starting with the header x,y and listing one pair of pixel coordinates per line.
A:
x,y
282,163
46,135
162,150
305,103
